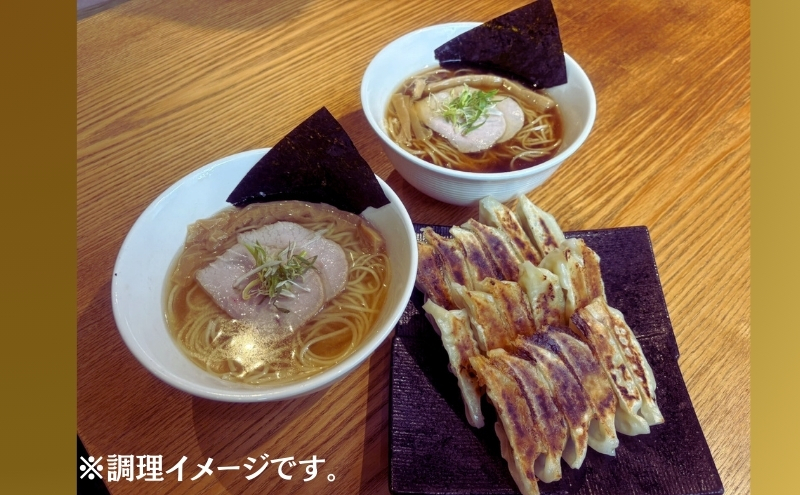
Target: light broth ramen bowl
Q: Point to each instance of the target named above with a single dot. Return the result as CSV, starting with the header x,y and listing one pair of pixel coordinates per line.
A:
x,y
148,252
413,53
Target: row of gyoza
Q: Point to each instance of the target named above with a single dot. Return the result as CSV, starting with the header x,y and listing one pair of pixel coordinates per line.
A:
x,y
523,316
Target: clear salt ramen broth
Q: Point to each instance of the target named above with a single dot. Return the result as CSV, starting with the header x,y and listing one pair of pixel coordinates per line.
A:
x,y
238,351
537,141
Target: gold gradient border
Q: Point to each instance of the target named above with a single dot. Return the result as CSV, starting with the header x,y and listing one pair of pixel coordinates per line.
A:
x,y
775,338
39,243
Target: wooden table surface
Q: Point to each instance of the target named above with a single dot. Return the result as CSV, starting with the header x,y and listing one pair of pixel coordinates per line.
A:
x,y
165,87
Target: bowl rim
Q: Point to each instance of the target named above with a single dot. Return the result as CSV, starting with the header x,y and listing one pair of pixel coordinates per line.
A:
x,y
483,176
262,393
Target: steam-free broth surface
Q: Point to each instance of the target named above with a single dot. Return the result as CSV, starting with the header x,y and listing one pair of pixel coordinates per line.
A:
x,y
408,122
249,351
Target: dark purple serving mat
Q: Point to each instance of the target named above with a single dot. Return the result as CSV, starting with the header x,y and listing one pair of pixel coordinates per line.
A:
x,y
433,450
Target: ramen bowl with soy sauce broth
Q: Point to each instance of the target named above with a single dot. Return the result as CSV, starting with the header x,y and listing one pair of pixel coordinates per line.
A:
x,y
141,289
462,173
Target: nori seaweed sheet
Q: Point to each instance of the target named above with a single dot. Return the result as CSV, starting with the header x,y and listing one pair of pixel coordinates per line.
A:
x,y
523,44
316,162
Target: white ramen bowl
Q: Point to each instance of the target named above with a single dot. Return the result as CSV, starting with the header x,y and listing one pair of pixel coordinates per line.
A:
x,y
146,255
413,53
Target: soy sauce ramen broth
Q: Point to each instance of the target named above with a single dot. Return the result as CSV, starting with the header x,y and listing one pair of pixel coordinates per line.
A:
x,y
240,351
537,141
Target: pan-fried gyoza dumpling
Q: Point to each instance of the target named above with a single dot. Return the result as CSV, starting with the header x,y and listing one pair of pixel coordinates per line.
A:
x,y
542,229
578,358
568,395
547,418
642,372
593,323
454,266
556,263
578,271
574,263
454,328
589,263
431,279
526,480
584,270
499,247
517,428
490,327
544,294
479,263
494,213
512,303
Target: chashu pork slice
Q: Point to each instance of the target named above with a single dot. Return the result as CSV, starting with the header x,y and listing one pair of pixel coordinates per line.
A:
x,y
225,278
568,395
544,294
541,227
593,323
520,439
547,418
494,213
454,329
492,126
514,115
499,246
331,262
578,358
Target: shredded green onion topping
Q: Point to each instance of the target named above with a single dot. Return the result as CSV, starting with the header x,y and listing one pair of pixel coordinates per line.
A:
x,y
276,274
467,111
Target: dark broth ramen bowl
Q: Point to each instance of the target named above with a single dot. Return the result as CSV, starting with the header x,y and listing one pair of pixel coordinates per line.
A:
x,y
413,53
146,255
